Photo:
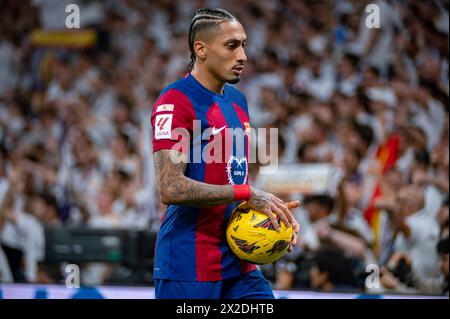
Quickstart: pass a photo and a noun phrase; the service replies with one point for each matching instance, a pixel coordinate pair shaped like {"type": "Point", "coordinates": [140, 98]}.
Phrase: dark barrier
{"type": "Point", "coordinates": [131, 251]}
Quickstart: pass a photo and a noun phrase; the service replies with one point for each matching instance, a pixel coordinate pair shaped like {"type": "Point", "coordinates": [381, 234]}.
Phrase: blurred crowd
{"type": "Point", "coordinates": [75, 140]}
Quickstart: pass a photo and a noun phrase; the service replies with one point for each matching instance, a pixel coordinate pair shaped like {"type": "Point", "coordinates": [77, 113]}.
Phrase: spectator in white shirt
{"type": "Point", "coordinates": [418, 233]}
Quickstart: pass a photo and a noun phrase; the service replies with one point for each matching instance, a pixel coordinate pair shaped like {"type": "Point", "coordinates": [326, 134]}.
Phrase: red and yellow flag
{"type": "Point", "coordinates": [387, 155]}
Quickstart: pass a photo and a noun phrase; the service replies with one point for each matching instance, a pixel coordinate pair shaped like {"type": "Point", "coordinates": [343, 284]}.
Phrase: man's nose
{"type": "Point", "coordinates": [242, 57]}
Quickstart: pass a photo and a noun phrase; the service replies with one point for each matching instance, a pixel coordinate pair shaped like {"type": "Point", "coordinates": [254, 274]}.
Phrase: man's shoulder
{"type": "Point", "coordinates": [178, 85]}
{"type": "Point", "coordinates": [177, 90]}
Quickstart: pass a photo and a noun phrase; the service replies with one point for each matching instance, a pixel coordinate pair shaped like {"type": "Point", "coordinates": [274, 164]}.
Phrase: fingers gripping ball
{"type": "Point", "coordinates": [252, 237]}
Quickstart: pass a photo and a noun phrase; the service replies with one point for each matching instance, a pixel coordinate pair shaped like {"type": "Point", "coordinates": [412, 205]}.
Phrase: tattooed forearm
{"type": "Point", "coordinates": [176, 188]}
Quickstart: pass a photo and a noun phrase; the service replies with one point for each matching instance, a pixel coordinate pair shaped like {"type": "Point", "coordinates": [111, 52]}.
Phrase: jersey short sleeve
{"type": "Point", "coordinates": [172, 116]}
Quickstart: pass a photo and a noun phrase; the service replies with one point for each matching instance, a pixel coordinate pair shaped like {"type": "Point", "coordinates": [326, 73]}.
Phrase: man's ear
{"type": "Point", "coordinates": [200, 50]}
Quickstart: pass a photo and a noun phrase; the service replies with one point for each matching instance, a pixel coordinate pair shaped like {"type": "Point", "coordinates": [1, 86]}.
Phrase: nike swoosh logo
{"type": "Point", "coordinates": [215, 131]}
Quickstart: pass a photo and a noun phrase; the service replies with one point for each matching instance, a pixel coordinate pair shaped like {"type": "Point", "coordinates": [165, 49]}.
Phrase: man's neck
{"type": "Point", "coordinates": [207, 80]}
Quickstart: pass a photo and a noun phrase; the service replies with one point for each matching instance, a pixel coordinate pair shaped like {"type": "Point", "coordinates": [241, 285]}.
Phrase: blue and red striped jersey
{"type": "Point", "coordinates": [191, 243]}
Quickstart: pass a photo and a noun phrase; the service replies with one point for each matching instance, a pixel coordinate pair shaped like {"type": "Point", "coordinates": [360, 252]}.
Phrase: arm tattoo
{"type": "Point", "coordinates": [176, 188]}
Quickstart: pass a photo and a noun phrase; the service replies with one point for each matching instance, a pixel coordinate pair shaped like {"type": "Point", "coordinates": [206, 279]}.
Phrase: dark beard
{"type": "Point", "coordinates": [234, 81]}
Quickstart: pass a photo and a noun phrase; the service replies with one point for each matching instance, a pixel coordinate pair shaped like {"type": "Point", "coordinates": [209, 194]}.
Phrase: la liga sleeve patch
{"type": "Point", "coordinates": [163, 126]}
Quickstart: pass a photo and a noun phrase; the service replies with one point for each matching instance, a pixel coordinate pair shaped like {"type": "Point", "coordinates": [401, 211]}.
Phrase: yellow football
{"type": "Point", "coordinates": [252, 237]}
